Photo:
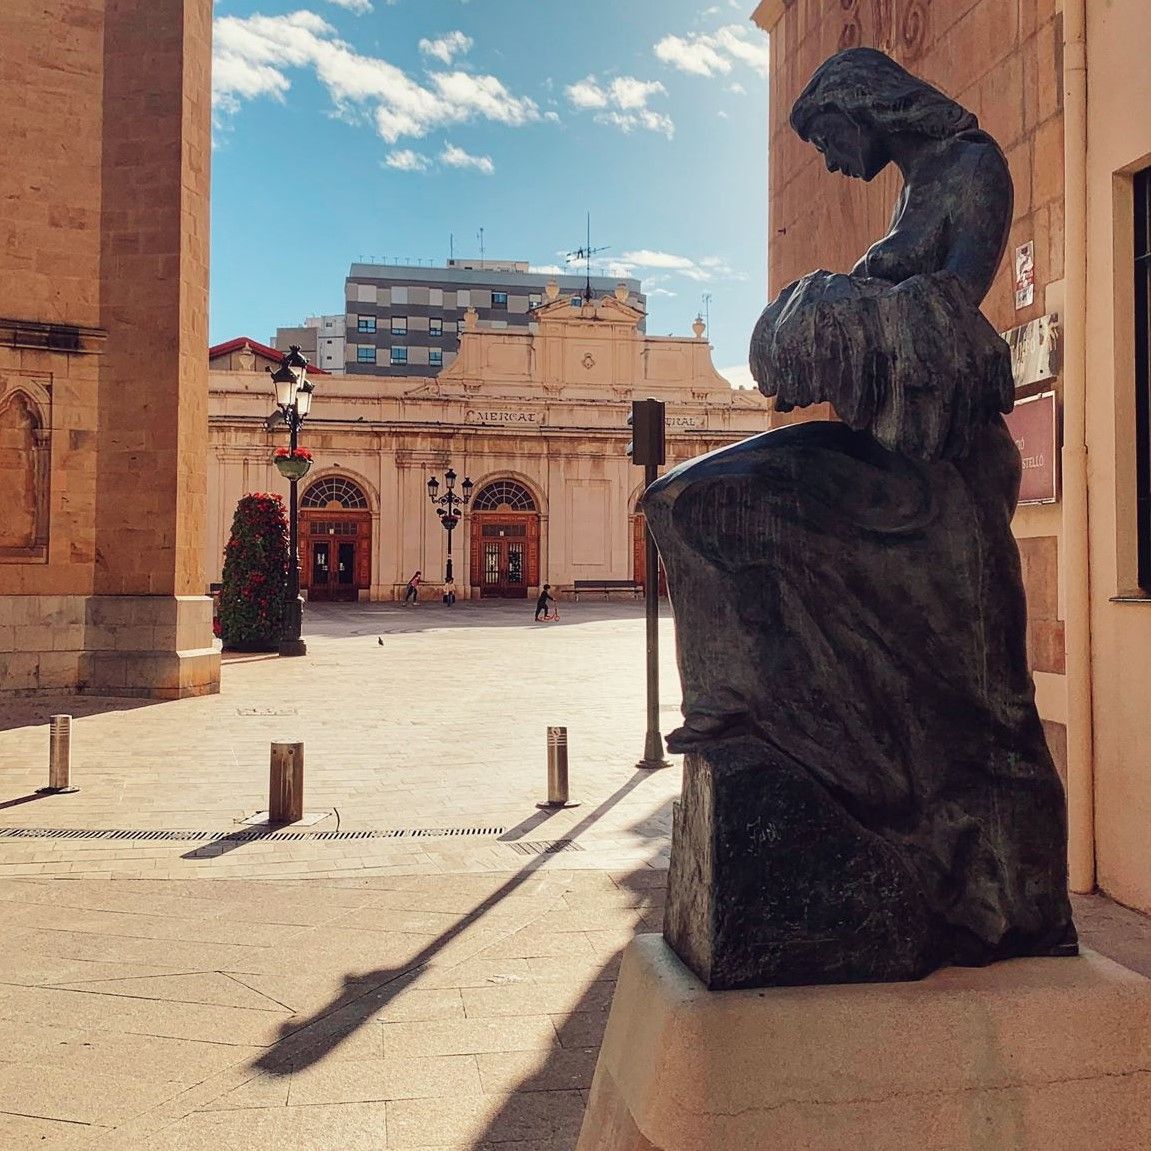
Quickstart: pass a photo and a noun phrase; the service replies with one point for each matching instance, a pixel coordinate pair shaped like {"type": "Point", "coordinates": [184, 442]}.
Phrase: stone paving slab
{"type": "Point", "coordinates": [412, 992]}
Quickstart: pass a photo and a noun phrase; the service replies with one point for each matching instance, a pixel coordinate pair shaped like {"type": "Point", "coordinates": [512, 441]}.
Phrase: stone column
{"type": "Point", "coordinates": [149, 621]}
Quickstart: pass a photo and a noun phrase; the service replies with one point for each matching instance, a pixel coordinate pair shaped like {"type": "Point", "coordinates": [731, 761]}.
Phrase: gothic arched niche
{"type": "Point", "coordinates": [23, 443]}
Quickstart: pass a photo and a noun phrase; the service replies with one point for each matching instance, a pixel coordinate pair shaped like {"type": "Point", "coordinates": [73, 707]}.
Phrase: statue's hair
{"type": "Point", "coordinates": [874, 91]}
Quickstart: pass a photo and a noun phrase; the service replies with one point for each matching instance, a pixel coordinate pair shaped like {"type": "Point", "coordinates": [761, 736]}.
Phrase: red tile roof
{"type": "Point", "coordinates": [240, 342]}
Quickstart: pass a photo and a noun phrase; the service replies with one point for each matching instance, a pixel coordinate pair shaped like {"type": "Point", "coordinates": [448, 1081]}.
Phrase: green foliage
{"type": "Point", "coordinates": [254, 597]}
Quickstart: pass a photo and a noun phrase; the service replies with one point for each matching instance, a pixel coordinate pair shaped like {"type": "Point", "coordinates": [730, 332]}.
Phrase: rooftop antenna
{"type": "Point", "coordinates": [585, 254]}
{"type": "Point", "coordinates": [707, 312]}
{"type": "Point", "coordinates": [481, 247]}
{"type": "Point", "coordinates": [451, 246]}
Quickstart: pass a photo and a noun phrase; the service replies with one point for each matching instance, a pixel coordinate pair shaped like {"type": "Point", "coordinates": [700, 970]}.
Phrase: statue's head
{"type": "Point", "coordinates": [858, 99]}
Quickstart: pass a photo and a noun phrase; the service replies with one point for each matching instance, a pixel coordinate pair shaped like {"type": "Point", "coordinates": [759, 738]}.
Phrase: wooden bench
{"type": "Point", "coordinates": [606, 586]}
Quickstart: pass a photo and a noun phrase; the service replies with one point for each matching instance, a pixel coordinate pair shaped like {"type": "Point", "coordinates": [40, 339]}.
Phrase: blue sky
{"type": "Point", "coordinates": [379, 129]}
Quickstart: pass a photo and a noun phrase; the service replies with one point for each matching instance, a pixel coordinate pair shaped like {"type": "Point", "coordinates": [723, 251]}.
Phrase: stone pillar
{"type": "Point", "coordinates": [149, 622]}
{"type": "Point", "coordinates": [103, 344]}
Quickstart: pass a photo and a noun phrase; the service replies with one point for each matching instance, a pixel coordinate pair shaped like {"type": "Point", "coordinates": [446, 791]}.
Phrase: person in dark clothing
{"type": "Point", "coordinates": [542, 603]}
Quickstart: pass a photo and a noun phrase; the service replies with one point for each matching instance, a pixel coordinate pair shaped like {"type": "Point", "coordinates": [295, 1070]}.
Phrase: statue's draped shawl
{"type": "Point", "coordinates": [916, 363]}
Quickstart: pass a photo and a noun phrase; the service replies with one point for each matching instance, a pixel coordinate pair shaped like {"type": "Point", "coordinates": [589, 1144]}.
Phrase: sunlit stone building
{"type": "Point", "coordinates": [537, 419]}
{"type": "Point", "coordinates": [106, 137]}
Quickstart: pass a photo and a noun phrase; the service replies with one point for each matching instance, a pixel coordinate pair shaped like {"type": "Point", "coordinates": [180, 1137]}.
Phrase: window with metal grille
{"type": "Point", "coordinates": [333, 489]}
{"type": "Point", "coordinates": [504, 494]}
{"type": "Point", "coordinates": [1143, 372]}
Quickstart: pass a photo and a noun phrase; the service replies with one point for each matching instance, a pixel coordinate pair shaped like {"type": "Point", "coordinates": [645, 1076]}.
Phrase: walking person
{"type": "Point", "coordinates": [412, 594]}
{"type": "Point", "coordinates": [542, 603]}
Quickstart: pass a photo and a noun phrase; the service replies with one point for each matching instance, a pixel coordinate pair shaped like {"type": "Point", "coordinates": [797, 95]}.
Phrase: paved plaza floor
{"type": "Point", "coordinates": [427, 964]}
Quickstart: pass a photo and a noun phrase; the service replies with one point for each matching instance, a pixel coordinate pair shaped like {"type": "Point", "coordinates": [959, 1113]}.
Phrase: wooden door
{"type": "Point", "coordinates": [336, 555]}
{"type": "Point", "coordinates": [505, 554]}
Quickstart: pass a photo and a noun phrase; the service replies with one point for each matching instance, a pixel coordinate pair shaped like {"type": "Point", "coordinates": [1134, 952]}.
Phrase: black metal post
{"type": "Point", "coordinates": [653, 743]}
{"type": "Point", "coordinates": [290, 641]}
{"type": "Point", "coordinates": [450, 509]}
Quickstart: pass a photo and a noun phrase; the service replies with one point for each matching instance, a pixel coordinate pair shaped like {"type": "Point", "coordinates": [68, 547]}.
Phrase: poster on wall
{"type": "Point", "coordinates": [1025, 275]}
{"type": "Point", "coordinates": [1033, 427]}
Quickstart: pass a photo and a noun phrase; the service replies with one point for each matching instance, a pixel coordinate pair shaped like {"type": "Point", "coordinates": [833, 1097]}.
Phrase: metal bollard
{"type": "Point", "coordinates": [59, 757]}
{"type": "Point", "coordinates": [557, 769]}
{"type": "Point", "coordinates": [286, 783]}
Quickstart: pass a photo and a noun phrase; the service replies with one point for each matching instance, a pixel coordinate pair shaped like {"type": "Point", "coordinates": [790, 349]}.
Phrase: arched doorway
{"type": "Point", "coordinates": [335, 540]}
{"type": "Point", "coordinates": [505, 540]}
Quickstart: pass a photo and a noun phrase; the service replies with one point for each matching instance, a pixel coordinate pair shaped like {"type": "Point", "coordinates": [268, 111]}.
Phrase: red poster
{"type": "Point", "coordinates": [1033, 427]}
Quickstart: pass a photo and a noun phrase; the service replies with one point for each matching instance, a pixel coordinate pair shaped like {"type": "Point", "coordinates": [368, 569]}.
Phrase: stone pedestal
{"type": "Point", "coordinates": [1026, 1055]}
{"type": "Point", "coordinates": [158, 647]}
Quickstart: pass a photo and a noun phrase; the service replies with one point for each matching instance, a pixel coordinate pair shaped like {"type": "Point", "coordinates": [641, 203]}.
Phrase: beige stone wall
{"type": "Point", "coordinates": [51, 68]}
{"type": "Point", "coordinates": [1003, 61]}
{"type": "Point", "coordinates": [1118, 34]}
{"type": "Point", "coordinates": [103, 322]}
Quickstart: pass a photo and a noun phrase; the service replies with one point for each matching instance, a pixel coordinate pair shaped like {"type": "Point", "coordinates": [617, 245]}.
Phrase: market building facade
{"type": "Point", "coordinates": [536, 419]}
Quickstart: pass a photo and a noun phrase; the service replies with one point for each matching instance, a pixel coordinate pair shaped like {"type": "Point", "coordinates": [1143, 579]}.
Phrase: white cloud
{"type": "Point", "coordinates": [405, 160]}
{"type": "Point", "coordinates": [704, 269]}
{"type": "Point", "coordinates": [548, 270]}
{"type": "Point", "coordinates": [622, 103]}
{"type": "Point", "coordinates": [587, 94]}
{"type": "Point", "coordinates": [359, 7]}
{"type": "Point", "coordinates": [252, 57]}
{"type": "Point", "coordinates": [739, 376]}
{"type": "Point", "coordinates": [714, 54]}
{"type": "Point", "coordinates": [457, 158]}
{"type": "Point", "coordinates": [661, 292]}
{"type": "Point", "coordinates": [446, 48]}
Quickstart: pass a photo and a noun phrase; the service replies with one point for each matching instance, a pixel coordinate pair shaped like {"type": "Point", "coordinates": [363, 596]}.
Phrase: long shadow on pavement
{"type": "Point", "coordinates": [306, 1042]}
{"type": "Point", "coordinates": [38, 710]}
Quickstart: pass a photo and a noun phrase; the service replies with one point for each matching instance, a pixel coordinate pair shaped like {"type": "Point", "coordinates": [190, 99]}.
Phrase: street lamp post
{"type": "Point", "coordinates": [294, 399]}
{"type": "Point", "coordinates": [450, 508]}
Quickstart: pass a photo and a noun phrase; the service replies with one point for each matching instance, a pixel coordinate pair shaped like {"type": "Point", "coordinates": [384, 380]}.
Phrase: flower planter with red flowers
{"type": "Point", "coordinates": [254, 592]}
{"type": "Point", "coordinates": [292, 465]}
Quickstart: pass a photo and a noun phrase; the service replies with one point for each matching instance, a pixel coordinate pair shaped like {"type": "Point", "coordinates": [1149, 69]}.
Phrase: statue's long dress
{"type": "Point", "coordinates": [856, 600]}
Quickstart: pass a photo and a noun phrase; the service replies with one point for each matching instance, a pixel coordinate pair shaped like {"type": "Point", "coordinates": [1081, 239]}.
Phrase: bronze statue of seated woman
{"type": "Point", "coordinates": [868, 793]}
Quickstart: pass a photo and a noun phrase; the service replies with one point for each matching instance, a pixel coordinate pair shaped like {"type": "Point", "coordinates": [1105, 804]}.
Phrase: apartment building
{"type": "Point", "coordinates": [320, 338]}
{"type": "Point", "coordinates": [406, 321]}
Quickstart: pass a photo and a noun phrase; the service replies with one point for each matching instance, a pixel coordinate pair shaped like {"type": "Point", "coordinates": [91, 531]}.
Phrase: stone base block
{"type": "Point", "coordinates": [152, 646]}
{"type": "Point", "coordinates": [1026, 1055]}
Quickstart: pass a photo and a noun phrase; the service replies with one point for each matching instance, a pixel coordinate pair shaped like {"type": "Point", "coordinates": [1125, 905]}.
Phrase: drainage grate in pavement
{"type": "Point", "coordinates": [143, 834]}
{"type": "Point", "coordinates": [545, 846]}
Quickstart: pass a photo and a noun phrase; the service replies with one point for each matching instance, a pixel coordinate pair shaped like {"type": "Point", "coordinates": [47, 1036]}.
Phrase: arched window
{"type": "Point", "coordinates": [504, 495]}
{"type": "Point", "coordinates": [333, 490]}
{"type": "Point", "coordinates": [24, 443]}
